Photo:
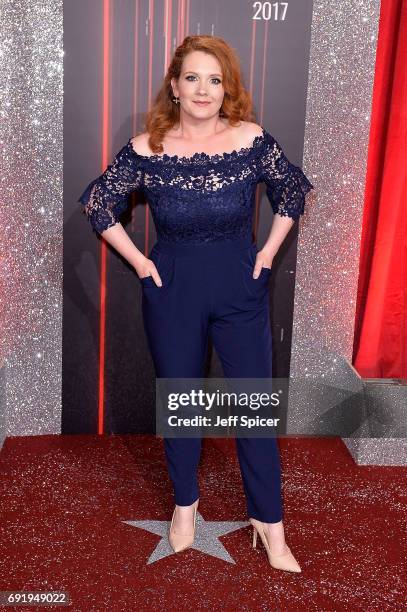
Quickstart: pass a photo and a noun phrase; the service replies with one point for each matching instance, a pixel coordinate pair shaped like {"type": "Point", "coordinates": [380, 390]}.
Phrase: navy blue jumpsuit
{"type": "Point", "coordinates": [202, 207]}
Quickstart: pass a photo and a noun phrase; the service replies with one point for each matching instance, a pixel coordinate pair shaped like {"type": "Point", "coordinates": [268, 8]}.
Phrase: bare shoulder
{"type": "Point", "coordinates": [140, 144]}
{"type": "Point", "coordinates": [248, 132]}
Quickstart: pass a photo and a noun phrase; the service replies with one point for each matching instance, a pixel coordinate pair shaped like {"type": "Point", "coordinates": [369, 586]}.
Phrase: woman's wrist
{"type": "Point", "coordinates": [270, 249]}
{"type": "Point", "coordinates": [137, 259]}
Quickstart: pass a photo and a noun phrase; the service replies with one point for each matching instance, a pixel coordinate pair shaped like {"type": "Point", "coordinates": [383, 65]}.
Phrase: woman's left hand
{"type": "Point", "coordinates": [264, 259]}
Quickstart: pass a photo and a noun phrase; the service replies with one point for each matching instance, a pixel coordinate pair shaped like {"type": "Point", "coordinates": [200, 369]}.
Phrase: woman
{"type": "Point", "coordinates": [198, 164]}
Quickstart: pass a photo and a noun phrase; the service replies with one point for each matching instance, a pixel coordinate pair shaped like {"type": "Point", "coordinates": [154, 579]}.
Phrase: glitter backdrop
{"type": "Point", "coordinates": [341, 74]}
{"type": "Point", "coordinates": [31, 98]}
{"type": "Point", "coordinates": [343, 48]}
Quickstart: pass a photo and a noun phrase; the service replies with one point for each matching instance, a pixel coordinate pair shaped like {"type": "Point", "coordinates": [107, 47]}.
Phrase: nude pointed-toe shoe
{"type": "Point", "coordinates": [285, 561]}
{"type": "Point", "coordinates": [178, 541]}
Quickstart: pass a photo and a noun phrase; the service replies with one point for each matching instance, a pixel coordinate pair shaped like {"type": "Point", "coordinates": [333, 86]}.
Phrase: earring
{"type": "Point", "coordinates": [176, 100]}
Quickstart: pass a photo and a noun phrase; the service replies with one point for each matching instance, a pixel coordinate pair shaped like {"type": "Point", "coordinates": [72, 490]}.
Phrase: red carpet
{"type": "Point", "coordinates": [64, 500]}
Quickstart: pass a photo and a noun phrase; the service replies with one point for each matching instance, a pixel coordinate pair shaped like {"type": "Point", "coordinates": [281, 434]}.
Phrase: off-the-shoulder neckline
{"type": "Point", "coordinates": [201, 156]}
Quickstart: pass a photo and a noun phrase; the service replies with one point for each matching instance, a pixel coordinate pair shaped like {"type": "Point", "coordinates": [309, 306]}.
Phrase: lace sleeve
{"type": "Point", "coordinates": [106, 197]}
{"type": "Point", "coordinates": [286, 184]}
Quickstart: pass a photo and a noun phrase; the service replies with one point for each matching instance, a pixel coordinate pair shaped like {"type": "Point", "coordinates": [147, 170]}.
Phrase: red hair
{"type": "Point", "coordinates": [237, 103]}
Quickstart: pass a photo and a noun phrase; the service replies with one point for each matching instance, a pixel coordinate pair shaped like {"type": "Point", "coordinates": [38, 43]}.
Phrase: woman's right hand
{"type": "Point", "coordinates": [146, 267]}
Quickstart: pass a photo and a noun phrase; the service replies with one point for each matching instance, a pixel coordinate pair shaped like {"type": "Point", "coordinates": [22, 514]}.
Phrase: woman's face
{"type": "Point", "coordinates": [200, 81]}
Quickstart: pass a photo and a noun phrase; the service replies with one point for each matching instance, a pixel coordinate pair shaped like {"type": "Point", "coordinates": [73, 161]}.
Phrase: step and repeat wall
{"type": "Point", "coordinates": [116, 55]}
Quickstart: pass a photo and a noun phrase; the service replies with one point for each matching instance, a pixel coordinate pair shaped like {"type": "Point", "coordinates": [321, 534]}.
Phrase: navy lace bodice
{"type": "Point", "coordinates": [201, 198]}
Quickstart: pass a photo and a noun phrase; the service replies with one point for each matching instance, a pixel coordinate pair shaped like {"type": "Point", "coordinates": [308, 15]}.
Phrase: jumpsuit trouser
{"type": "Point", "coordinates": [208, 291]}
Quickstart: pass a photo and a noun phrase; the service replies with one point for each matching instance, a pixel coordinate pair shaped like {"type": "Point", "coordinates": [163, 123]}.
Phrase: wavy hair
{"type": "Point", "coordinates": [236, 105]}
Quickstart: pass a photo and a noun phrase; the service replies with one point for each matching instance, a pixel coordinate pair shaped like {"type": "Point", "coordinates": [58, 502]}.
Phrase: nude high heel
{"type": "Point", "coordinates": [285, 561]}
{"type": "Point", "coordinates": [180, 542]}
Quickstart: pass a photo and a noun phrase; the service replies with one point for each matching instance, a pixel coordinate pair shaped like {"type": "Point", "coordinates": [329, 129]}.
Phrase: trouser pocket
{"type": "Point", "coordinates": [165, 265]}
{"type": "Point", "coordinates": [254, 286]}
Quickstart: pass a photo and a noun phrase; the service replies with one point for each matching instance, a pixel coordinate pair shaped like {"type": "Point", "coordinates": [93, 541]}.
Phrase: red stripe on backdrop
{"type": "Point", "coordinates": [135, 95]}
{"type": "Point", "coordinates": [168, 31]}
{"type": "Point", "coordinates": [261, 118]}
{"type": "Point", "coordinates": [178, 23]}
{"type": "Point", "coordinates": [103, 246]}
{"type": "Point", "coordinates": [263, 74]}
{"type": "Point", "coordinates": [182, 20]}
{"type": "Point", "coordinates": [187, 18]}
{"type": "Point", "coordinates": [150, 51]}
{"type": "Point", "coordinates": [165, 34]}
{"type": "Point", "coordinates": [380, 346]}
{"type": "Point", "coordinates": [252, 57]}
{"type": "Point", "coordinates": [135, 55]}
{"type": "Point", "coordinates": [251, 80]}
{"type": "Point", "coordinates": [149, 102]}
